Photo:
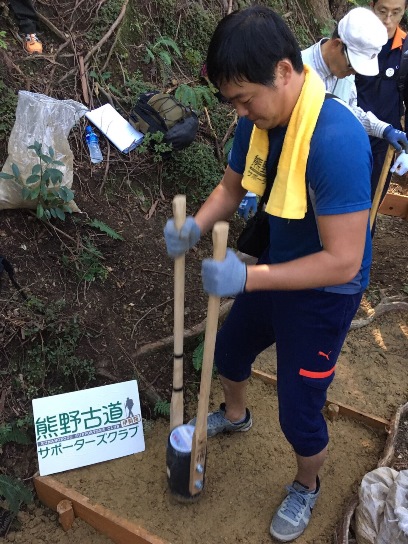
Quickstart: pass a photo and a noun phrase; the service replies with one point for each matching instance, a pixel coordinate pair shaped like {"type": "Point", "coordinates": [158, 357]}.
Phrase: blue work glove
{"type": "Point", "coordinates": [224, 278]}
{"type": "Point", "coordinates": [178, 242]}
{"type": "Point", "coordinates": [400, 166]}
{"type": "Point", "coordinates": [396, 138]}
{"type": "Point", "coordinates": [248, 204]}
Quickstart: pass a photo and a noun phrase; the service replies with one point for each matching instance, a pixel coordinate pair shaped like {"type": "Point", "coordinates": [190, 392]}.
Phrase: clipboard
{"type": "Point", "coordinates": [115, 127]}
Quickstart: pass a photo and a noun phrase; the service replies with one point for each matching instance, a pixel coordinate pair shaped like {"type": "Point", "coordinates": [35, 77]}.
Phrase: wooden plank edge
{"type": "Point", "coordinates": [345, 410]}
{"type": "Point", "coordinates": [395, 205]}
{"type": "Point", "coordinates": [119, 530]}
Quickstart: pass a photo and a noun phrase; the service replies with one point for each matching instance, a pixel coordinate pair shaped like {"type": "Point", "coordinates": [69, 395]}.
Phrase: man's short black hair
{"type": "Point", "coordinates": [247, 45]}
{"type": "Point", "coordinates": [406, 2]}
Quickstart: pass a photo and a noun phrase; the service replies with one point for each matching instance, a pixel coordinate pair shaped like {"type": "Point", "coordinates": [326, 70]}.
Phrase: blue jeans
{"type": "Point", "coordinates": [309, 328]}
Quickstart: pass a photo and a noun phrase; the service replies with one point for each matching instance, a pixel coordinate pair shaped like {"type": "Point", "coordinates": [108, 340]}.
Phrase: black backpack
{"type": "Point", "coordinates": [160, 112]}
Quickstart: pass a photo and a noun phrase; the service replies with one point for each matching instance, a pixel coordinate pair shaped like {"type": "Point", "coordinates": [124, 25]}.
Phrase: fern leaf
{"type": "Point", "coordinates": [162, 407]}
{"type": "Point", "coordinates": [105, 228]}
{"type": "Point", "coordinates": [12, 434]}
{"type": "Point", "coordinates": [14, 492]}
{"type": "Point", "coordinates": [169, 43]}
{"type": "Point", "coordinates": [165, 57]}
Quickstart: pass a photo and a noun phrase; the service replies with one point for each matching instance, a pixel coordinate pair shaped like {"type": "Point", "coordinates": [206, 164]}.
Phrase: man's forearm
{"type": "Point", "coordinates": [313, 271]}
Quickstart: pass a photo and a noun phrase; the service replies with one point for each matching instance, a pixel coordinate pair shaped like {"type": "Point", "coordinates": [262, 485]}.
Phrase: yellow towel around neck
{"type": "Point", "coordinates": [288, 194]}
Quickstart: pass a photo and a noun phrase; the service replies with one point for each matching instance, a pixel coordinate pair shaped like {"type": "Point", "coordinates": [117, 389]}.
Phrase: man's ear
{"type": "Point", "coordinates": [284, 70]}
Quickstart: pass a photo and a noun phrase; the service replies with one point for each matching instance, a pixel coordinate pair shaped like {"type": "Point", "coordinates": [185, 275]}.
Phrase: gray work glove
{"type": "Point", "coordinates": [180, 241]}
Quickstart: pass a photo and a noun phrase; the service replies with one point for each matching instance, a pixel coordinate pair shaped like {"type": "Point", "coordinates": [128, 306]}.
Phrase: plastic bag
{"type": "Point", "coordinates": [45, 120]}
{"type": "Point", "coordinates": [382, 514]}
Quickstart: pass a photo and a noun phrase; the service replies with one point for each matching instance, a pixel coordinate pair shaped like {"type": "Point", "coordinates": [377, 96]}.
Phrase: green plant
{"type": "Point", "coordinates": [161, 50]}
{"type": "Point", "coordinates": [197, 97]}
{"type": "Point", "coordinates": [195, 26]}
{"type": "Point", "coordinates": [198, 355]}
{"type": "Point", "coordinates": [48, 363]}
{"type": "Point", "coordinates": [3, 44]}
{"type": "Point", "coordinates": [103, 227]}
{"type": "Point", "coordinates": [162, 408]}
{"type": "Point", "coordinates": [11, 432]}
{"type": "Point", "coordinates": [193, 56]}
{"type": "Point", "coordinates": [161, 53]}
{"type": "Point", "coordinates": [153, 143]}
{"type": "Point", "coordinates": [87, 262]}
{"type": "Point", "coordinates": [135, 85]}
{"type": "Point", "coordinates": [15, 493]}
{"type": "Point", "coordinates": [328, 28]}
{"type": "Point", "coordinates": [44, 185]}
{"type": "Point", "coordinates": [106, 16]}
{"type": "Point", "coordinates": [194, 171]}
{"type": "Point", "coordinates": [102, 80]}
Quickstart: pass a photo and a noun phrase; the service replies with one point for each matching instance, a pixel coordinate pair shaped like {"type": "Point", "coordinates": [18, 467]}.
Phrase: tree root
{"type": "Point", "coordinates": [386, 304]}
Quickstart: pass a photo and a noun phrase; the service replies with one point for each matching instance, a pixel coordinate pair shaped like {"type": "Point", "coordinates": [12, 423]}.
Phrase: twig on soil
{"type": "Point", "coordinates": [147, 313]}
{"type": "Point", "coordinates": [214, 135]}
{"type": "Point", "coordinates": [12, 66]}
{"type": "Point", "coordinates": [3, 400]}
{"type": "Point", "coordinates": [150, 271]}
{"type": "Point", "coordinates": [105, 175]}
{"type": "Point", "coordinates": [101, 41]}
{"type": "Point", "coordinates": [51, 27]}
{"type": "Point", "coordinates": [229, 131]}
{"type": "Point", "coordinates": [111, 50]}
{"type": "Point", "coordinates": [84, 79]}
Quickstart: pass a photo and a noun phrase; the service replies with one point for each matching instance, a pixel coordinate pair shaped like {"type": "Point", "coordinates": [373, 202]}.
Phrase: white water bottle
{"type": "Point", "coordinates": [93, 145]}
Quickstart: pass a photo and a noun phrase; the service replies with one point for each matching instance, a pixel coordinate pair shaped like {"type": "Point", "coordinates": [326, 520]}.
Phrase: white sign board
{"type": "Point", "coordinates": [85, 427]}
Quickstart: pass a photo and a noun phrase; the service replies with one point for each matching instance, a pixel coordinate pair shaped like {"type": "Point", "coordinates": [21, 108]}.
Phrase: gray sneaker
{"type": "Point", "coordinates": [218, 423]}
{"type": "Point", "coordinates": [293, 515]}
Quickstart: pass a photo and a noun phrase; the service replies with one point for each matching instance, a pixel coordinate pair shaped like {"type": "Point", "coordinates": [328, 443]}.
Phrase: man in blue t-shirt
{"type": "Point", "coordinates": [304, 291]}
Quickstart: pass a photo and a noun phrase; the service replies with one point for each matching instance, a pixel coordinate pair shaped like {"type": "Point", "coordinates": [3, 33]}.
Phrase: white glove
{"type": "Point", "coordinates": [400, 166]}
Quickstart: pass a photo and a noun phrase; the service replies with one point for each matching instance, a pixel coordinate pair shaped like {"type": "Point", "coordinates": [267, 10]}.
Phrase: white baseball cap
{"type": "Point", "coordinates": [363, 34]}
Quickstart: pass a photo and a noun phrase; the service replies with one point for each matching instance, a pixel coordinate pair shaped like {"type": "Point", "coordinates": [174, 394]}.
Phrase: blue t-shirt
{"type": "Point", "coordinates": [338, 175]}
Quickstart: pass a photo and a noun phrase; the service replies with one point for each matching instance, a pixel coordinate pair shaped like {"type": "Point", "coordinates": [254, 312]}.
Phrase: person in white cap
{"type": "Point", "coordinates": [353, 49]}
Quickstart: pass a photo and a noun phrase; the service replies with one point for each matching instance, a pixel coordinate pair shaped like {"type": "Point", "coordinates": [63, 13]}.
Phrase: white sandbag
{"type": "Point", "coordinates": [45, 120]}
{"type": "Point", "coordinates": [394, 526]}
{"type": "Point", "coordinates": [382, 515]}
